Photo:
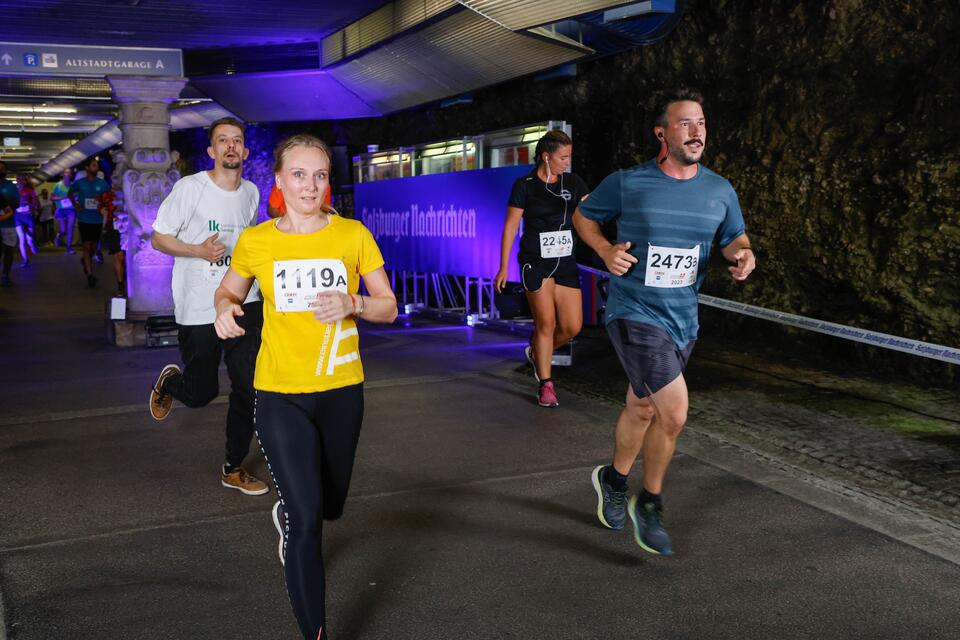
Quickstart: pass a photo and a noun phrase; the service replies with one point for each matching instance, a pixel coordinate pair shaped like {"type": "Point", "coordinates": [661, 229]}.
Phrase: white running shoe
{"type": "Point", "coordinates": [276, 523]}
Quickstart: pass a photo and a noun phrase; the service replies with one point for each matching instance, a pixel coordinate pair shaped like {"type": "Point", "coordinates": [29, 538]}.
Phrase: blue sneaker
{"type": "Point", "coordinates": [611, 509]}
{"type": "Point", "coordinates": [648, 528]}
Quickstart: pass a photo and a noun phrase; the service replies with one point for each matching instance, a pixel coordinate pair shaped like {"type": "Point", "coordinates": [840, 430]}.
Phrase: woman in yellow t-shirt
{"type": "Point", "coordinates": [309, 378]}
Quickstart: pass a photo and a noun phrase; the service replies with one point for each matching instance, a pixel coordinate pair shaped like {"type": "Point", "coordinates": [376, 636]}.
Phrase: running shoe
{"type": "Point", "coordinates": [648, 528]}
{"type": "Point", "coordinates": [611, 505]}
{"type": "Point", "coordinates": [528, 352]}
{"type": "Point", "coordinates": [160, 402]}
{"type": "Point", "coordinates": [243, 482]}
{"type": "Point", "coordinates": [276, 523]}
{"type": "Point", "coordinates": [547, 395]}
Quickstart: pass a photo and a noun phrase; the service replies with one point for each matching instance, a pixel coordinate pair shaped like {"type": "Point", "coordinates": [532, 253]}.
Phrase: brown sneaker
{"type": "Point", "coordinates": [160, 402]}
{"type": "Point", "coordinates": [242, 481]}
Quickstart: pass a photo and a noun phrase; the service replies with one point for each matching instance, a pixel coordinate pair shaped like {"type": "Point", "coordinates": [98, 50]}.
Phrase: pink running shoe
{"type": "Point", "coordinates": [547, 396]}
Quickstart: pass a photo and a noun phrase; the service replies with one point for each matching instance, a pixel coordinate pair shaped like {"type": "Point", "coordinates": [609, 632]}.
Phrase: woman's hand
{"type": "Point", "coordinates": [500, 281]}
{"type": "Point", "coordinates": [332, 306]}
{"type": "Point", "coordinates": [225, 325]}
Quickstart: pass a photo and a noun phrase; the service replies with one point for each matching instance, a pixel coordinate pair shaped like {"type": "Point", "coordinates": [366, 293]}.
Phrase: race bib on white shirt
{"type": "Point", "coordinates": [297, 283]}
{"type": "Point", "coordinates": [90, 204]}
{"type": "Point", "coordinates": [671, 268]}
{"type": "Point", "coordinates": [214, 271]}
{"type": "Point", "coordinates": [556, 244]}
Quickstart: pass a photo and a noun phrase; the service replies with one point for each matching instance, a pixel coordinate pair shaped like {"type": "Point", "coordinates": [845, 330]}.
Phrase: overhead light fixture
{"type": "Point", "coordinates": [61, 118]}
{"type": "Point", "coordinates": [20, 123]}
{"type": "Point", "coordinates": [27, 108]}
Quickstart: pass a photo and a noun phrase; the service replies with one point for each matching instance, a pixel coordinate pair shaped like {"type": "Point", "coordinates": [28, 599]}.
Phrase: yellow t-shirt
{"type": "Point", "coordinates": [299, 354]}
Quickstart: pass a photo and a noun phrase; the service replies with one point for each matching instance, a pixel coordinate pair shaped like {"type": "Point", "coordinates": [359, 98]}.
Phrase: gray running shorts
{"type": "Point", "coordinates": [648, 355]}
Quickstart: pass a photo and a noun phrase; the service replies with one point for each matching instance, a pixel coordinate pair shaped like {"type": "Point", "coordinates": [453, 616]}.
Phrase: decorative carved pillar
{"type": "Point", "coordinates": [145, 175]}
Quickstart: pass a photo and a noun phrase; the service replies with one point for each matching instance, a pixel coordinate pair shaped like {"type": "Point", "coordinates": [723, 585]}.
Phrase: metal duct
{"type": "Point", "coordinates": [189, 117]}
{"type": "Point", "coordinates": [524, 14]}
{"type": "Point", "coordinates": [382, 24]}
{"type": "Point", "coordinates": [461, 52]}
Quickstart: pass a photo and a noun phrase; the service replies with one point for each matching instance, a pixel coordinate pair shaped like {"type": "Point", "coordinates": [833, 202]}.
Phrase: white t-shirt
{"type": "Point", "coordinates": [46, 209]}
{"type": "Point", "coordinates": [196, 209]}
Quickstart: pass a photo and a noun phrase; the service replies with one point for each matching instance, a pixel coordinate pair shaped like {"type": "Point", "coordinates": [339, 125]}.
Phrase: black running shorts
{"type": "Point", "coordinates": [563, 271]}
{"type": "Point", "coordinates": [90, 232]}
{"type": "Point", "coordinates": [111, 240]}
{"type": "Point", "coordinates": [648, 355]}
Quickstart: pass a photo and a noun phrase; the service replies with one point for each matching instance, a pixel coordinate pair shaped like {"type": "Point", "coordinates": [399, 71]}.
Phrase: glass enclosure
{"type": "Point", "coordinates": [501, 148]}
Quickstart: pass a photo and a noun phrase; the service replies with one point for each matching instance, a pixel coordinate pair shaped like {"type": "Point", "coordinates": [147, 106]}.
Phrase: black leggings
{"type": "Point", "coordinates": [199, 383]}
{"type": "Point", "coordinates": [309, 441]}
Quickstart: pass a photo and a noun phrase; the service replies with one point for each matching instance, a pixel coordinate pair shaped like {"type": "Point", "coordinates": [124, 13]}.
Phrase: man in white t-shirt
{"type": "Point", "coordinates": [199, 224]}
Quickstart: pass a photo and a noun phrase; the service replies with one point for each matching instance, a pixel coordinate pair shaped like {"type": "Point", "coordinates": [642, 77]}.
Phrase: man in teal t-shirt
{"type": "Point", "coordinates": [86, 193]}
{"type": "Point", "coordinates": [669, 212]}
{"type": "Point", "coordinates": [8, 224]}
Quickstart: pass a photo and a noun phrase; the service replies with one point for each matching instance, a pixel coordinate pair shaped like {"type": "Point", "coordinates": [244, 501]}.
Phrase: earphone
{"type": "Point", "coordinates": [558, 195]}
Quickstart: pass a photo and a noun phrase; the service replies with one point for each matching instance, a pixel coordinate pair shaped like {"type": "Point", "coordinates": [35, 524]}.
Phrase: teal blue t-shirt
{"type": "Point", "coordinates": [61, 190]}
{"type": "Point", "coordinates": [87, 193]}
{"type": "Point", "coordinates": [653, 209]}
{"type": "Point", "coordinates": [12, 195]}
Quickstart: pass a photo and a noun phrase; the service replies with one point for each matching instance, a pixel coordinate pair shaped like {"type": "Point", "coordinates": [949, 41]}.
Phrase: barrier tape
{"type": "Point", "coordinates": [865, 336]}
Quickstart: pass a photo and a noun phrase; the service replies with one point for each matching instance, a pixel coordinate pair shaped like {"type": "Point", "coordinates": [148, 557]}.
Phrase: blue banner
{"type": "Point", "coordinates": [444, 223]}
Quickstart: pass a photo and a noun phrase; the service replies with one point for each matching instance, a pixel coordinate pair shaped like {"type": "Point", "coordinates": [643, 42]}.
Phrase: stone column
{"type": "Point", "coordinates": [144, 174]}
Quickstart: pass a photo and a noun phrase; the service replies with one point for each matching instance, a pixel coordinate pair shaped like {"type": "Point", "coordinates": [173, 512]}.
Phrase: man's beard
{"type": "Point", "coordinates": [232, 164]}
{"type": "Point", "coordinates": [682, 155]}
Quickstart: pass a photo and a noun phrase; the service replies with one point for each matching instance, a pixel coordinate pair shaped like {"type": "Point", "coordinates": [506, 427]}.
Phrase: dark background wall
{"type": "Point", "coordinates": [834, 122]}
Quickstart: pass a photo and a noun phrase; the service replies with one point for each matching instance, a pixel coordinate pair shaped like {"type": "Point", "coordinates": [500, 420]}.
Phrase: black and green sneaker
{"type": "Point", "coordinates": [648, 531]}
{"type": "Point", "coordinates": [611, 505]}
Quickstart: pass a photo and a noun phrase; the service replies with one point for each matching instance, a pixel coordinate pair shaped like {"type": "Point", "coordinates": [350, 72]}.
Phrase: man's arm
{"type": "Point", "coordinates": [614, 256]}
{"type": "Point", "coordinates": [6, 212]}
{"type": "Point", "coordinates": [740, 252]}
{"type": "Point", "coordinates": [209, 250]}
{"type": "Point", "coordinates": [73, 197]}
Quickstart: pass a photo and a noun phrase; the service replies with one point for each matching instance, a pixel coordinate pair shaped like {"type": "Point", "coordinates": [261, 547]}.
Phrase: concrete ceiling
{"type": "Point", "coordinates": [178, 24]}
{"type": "Point", "coordinates": [284, 60]}
{"type": "Point", "coordinates": [28, 106]}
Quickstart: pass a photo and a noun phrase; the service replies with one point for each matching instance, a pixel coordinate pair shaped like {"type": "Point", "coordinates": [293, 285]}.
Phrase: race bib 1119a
{"type": "Point", "coordinates": [297, 283]}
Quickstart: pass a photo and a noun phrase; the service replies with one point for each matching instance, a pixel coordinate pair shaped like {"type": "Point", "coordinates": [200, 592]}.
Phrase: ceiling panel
{"type": "Point", "coordinates": [178, 24]}
{"type": "Point", "coordinates": [290, 96]}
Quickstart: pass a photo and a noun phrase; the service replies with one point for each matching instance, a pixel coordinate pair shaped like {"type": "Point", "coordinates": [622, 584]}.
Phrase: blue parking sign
{"type": "Point", "coordinates": [31, 60]}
